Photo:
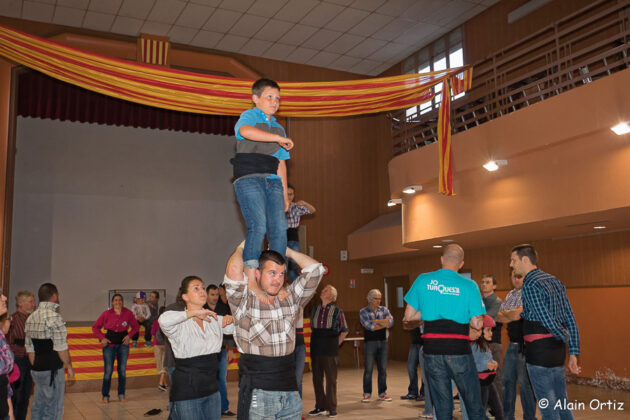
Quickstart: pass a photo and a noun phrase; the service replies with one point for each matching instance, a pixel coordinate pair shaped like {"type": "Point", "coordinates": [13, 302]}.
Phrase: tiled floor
{"type": "Point", "coordinates": [88, 406]}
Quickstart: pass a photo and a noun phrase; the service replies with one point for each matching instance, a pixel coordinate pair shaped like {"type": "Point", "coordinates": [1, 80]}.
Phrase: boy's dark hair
{"type": "Point", "coordinates": [211, 287]}
{"type": "Point", "coordinates": [490, 276]}
{"type": "Point", "coordinates": [261, 84]}
{"type": "Point", "coordinates": [46, 292]}
{"type": "Point", "coordinates": [526, 250]}
{"type": "Point", "coordinates": [270, 255]}
{"type": "Point", "coordinates": [156, 293]}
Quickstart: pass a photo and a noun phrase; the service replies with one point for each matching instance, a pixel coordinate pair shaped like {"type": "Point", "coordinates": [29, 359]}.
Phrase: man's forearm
{"type": "Point", "coordinates": [342, 336]}
{"type": "Point", "coordinates": [302, 260]}
{"type": "Point", "coordinates": [64, 355]}
{"type": "Point", "coordinates": [234, 268]}
{"type": "Point", "coordinates": [31, 358]}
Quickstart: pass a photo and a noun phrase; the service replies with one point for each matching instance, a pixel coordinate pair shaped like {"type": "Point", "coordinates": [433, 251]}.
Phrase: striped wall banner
{"type": "Point", "coordinates": [86, 353]}
{"type": "Point", "coordinates": [153, 50]}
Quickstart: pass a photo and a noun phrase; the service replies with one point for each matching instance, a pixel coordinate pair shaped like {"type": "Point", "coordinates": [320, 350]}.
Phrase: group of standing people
{"type": "Point", "coordinates": [540, 324]}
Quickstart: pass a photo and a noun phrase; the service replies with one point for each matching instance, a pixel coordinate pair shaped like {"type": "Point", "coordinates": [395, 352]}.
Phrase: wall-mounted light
{"type": "Point", "coordinates": [412, 189]}
{"type": "Point", "coordinates": [599, 227]}
{"type": "Point", "coordinates": [621, 128]}
{"type": "Point", "coordinates": [394, 201]}
{"type": "Point", "coordinates": [493, 165]}
{"type": "Point", "coordinates": [437, 246]}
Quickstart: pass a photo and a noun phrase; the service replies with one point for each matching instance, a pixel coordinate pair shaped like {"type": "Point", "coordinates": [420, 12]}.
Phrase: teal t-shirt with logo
{"type": "Point", "coordinates": [444, 294]}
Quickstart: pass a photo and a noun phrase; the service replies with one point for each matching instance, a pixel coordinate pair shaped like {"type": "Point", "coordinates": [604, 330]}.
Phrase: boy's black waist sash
{"type": "Point", "coordinates": [444, 336]}
{"type": "Point", "coordinates": [253, 163]}
{"type": "Point", "coordinates": [263, 372]}
{"type": "Point", "coordinates": [541, 347]}
{"type": "Point", "coordinates": [195, 377]}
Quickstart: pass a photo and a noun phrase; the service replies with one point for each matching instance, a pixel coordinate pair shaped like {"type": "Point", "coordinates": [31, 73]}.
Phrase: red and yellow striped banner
{"type": "Point", "coordinates": [86, 354]}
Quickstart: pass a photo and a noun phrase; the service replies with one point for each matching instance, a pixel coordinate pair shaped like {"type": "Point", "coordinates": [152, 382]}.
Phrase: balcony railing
{"type": "Point", "coordinates": [581, 48]}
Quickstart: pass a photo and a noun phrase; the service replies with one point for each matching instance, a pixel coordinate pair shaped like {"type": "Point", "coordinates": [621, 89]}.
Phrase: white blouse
{"type": "Point", "coordinates": [188, 339]}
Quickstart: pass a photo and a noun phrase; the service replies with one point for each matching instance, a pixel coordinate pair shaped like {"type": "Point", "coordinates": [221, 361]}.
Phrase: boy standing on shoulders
{"type": "Point", "coordinates": [260, 176]}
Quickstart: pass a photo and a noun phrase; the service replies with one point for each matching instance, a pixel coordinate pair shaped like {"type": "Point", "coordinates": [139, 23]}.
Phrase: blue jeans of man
{"type": "Point", "coordinates": [375, 351]}
{"type": "Point", "coordinates": [262, 206]}
{"type": "Point", "coordinates": [550, 384]}
{"type": "Point", "coordinates": [413, 360]}
{"type": "Point", "coordinates": [300, 358]}
{"type": "Point", "coordinates": [441, 369]}
{"type": "Point", "coordinates": [207, 408]}
{"type": "Point", "coordinates": [222, 379]}
{"type": "Point", "coordinates": [279, 405]}
{"type": "Point", "coordinates": [48, 399]}
{"type": "Point", "coordinates": [515, 370]}
{"type": "Point", "coordinates": [22, 388]}
{"type": "Point", "coordinates": [120, 352]}
{"type": "Point", "coordinates": [294, 269]}
{"type": "Point", "coordinates": [428, 402]}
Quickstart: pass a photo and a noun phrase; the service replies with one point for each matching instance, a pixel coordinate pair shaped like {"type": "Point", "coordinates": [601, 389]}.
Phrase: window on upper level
{"type": "Point", "coordinates": [446, 52]}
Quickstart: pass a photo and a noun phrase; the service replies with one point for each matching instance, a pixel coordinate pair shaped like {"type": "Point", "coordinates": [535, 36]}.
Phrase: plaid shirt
{"type": "Point", "coordinates": [545, 301]}
{"type": "Point", "coordinates": [513, 300]}
{"type": "Point", "coordinates": [368, 316]}
{"type": "Point", "coordinates": [269, 330]}
{"type": "Point", "coordinates": [294, 214]}
{"type": "Point", "coordinates": [46, 323]}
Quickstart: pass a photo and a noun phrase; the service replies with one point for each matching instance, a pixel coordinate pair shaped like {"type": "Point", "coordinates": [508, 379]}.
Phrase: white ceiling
{"type": "Point", "coordinates": [360, 36]}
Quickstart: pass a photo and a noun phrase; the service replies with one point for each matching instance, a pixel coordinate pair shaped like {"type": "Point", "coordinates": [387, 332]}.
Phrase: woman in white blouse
{"type": "Point", "coordinates": [195, 335]}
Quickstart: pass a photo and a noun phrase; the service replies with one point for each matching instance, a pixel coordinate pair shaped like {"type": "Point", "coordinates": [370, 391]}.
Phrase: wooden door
{"type": "Point", "coordinates": [399, 339]}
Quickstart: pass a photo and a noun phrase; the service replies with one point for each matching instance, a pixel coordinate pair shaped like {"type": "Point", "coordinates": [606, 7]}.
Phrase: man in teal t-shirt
{"type": "Point", "coordinates": [448, 303]}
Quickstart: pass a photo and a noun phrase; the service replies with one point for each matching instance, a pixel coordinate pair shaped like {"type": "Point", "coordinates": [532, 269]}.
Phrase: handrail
{"type": "Point", "coordinates": [584, 46]}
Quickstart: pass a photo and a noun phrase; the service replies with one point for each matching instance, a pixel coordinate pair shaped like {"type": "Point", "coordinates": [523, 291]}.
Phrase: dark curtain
{"type": "Point", "coordinates": [41, 96]}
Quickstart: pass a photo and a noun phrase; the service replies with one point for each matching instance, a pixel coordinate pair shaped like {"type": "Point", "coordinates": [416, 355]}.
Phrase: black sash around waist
{"type": "Point", "coordinates": [293, 234]}
{"type": "Point", "coordinates": [444, 336]}
{"type": "Point", "coordinates": [4, 394]}
{"type": "Point", "coordinates": [46, 358]}
{"type": "Point", "coordinates": [377, 335]}
{"type": "Point", "coordinates": [18, 342]}
{"type": "Point", "coordinates": [253, 163]}
{"type": "Point", "coordinates": [546, 352]}
{"type": "Point", "coordinates": [496, 333]}
{"type": "Point", "coordinates": [263, 372]}
{"type": "Point", "coordinates": [299, 337]}
{"type": "Point", "coordinates": [515, 331]}
{"type": "Point", "coordinates": [115, 337]}
{"type": "Point", "coordinates": [324, 342]}
{"type": "Point", "coordinates": [195, 377]}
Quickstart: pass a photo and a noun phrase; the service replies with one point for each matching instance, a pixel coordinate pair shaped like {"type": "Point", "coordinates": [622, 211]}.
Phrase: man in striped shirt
{"type": "Point", "coordinates": [47, 348]}
{"type": "Point", "coordinates": [25, 302]}
{"type": "Point", "coordinates": [548, 326]}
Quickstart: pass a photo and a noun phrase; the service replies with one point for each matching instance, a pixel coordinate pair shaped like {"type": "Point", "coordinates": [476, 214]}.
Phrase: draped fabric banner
{"type": "Point", "coordinates": [205, 94]}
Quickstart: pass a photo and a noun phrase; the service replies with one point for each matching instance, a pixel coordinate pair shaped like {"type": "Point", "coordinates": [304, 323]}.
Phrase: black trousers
{"type": "Point", "coordinates": [325, 367]}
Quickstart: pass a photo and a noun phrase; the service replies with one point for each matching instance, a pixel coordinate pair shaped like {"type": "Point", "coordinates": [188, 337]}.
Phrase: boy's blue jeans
{"type": "Point", "coordinates": [262, 206]}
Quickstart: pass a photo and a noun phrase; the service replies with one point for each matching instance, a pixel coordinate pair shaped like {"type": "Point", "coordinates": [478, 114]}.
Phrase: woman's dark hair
{"type": "Point", "coordinates": [117, 295]}
{"type": "Point", "coordinates": [483, 344]}
{"type": "Point", "coordinates": [161, 310]}
{"type": "Point", "coordinates": [183, 289]}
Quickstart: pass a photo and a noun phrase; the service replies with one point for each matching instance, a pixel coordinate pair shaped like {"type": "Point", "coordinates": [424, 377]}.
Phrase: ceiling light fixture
{"type": "Point", "coordinates": [437, 246]}
{"type": "Point", "coordinates": [412, 189]}
{"type": "Point", "coordinates": [621, 128]}
{"type": "Point", "coordinates": [598, 227]}
{"type": "Point", "coordinates": [394, 201]}
{"type": "Point", "coordinates": [493, 165]}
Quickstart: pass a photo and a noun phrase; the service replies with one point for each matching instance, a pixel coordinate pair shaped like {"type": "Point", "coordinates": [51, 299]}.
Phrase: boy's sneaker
{"type": "Point", "coordinates": [366, 398]}
{"type": "Point", "coordinates": [317, 412]}
{"type": "Point", "coordinates": [426, 415]}
{"type": "Point", "coordinates": [134, 344]}
{"type": "Point", "coordinates": [384, 397]}
{"type": "Point", "coordinates": [147, 344]}
{"type": "Point", "coordinates": [162, 387]}
{"type": "Point", "coordinates": [332, 414]}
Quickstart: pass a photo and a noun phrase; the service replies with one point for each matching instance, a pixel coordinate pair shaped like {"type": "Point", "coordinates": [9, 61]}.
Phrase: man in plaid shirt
{"type": "Point", "coordinates": [47, 348]}
{"type": "Point", "coordinates": [265, 333]}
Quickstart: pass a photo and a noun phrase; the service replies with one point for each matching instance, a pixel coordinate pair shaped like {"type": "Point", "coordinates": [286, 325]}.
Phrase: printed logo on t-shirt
{"type": "Point", "coordinates": [443, 290]}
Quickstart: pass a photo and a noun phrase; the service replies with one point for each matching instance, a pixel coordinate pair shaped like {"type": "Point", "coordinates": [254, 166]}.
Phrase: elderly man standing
{"type": "Point", "coordinates": [448, 303]}
{"type": "Point", "coordinates": [47, 348]}
{"type": "Point", "coordinates": [265, 332]}
{"type": "Point", "coordinates": [25, 302]}
{"type": "Point", "coordinates": [376, 319]}
{"type": "Point", "coordinates": [329, 328]}
{"type": "Point", "coordinates": [548, 327]}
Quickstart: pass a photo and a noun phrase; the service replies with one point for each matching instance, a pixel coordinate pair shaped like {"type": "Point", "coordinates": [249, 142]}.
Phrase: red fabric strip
{"type": "Point", "coordinates": [534, 337]}
{"type": "Point", "coordinates": [455, 336]}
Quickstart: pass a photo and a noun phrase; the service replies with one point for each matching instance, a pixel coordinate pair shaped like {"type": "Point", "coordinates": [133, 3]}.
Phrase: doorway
{"type": "Point", "coordinates": [399, 339]}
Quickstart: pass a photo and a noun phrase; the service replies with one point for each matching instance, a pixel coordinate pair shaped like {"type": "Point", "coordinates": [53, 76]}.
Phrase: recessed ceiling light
{"type": "Point", "coordinates": [493, 165]}
{"type": "Point", "coordinates": [412, 189]}
{"type": "Point", "coordinates": [599, 227]}
{"type": "Point", "coordinates": [437, 246]}
{"type": "Point", "coordinates": [621, 128]}
{"type": "Point", "coordinates": [447, 240]}
{"type": "Point", "coordinates": [394, 201]}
